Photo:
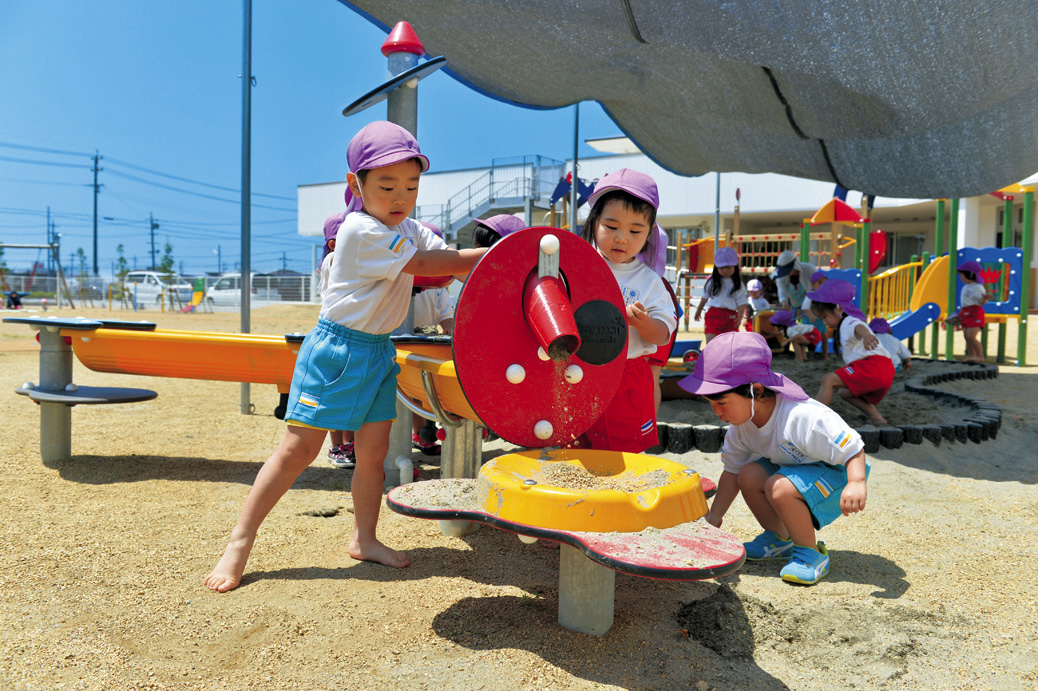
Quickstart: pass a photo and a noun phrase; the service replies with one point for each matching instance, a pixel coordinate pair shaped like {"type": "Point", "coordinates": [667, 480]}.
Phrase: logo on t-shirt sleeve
{"type": "Point", "coordinates": [397, 244]}
{"type": "Point", "coordinates": [842, 439]}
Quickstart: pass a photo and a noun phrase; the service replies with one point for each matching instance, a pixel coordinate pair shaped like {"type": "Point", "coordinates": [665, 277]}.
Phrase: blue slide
{"type": "Point", "coordinates": [911, 323]}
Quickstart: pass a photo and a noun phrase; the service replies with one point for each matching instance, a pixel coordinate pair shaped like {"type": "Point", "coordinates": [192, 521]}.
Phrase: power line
{"type": "Point", "coordinates": [196, 194]}
{"type": "Point", "coordinates": [25, 147]}
{"type": "Point", "coordinates": [193, 182]}
{"type": "Point", "coordinates": [30, 161]}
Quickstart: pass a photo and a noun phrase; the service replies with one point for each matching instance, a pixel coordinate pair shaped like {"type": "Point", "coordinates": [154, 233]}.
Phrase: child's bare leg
{"type": "Point", "coordinates": [707, 338]}
{"type": "Point", "coordinates": [791, 509]}
{"type": "Point", "coordinates": [335, 437]}
{"type": "Point", "coordinates": [752, 480]}
{"type": "Point", "coordinates": [871, 412]}
{"type": "Point", "coordinates": [298, 448]}
{"type": "Point", "coordinates": [830, 383]}
{"type": "Point", "coordinates": [974, 352]}
{"type": "Point", "coordinates": [798, 348]}
{"type": "Point", "coordinates": [656, 369]}
{"type": "Point", "coordinates": [372, 445]}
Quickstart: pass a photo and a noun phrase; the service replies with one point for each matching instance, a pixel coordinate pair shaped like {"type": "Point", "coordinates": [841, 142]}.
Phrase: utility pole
{"type": "Point", "coordinates": [97, 188]}
{"type": "Point", "coordinates": [50, 231]}
{"type": "Point", "coordinates": [154, 226]}
{"type": "Point", "coordinates": [246, 186]}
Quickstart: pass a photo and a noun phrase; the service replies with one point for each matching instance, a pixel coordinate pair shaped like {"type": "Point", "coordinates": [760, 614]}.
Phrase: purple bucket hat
{"type": "Point", "coordinates": [435, 229]}
{"type": "Point", "coordinates": [659, 263]}
{"type": "Point", "coordinates": [380, 144]}
{"type": "Point", "coordinates": [630, 181]}
{"type": "Point", "coordinates": [503, 224]}
{"type": "Point", "coordinates": [972, 266]}
{"type": "Point", "coordinates": [839, 292]}
{"type": "Point", "coordinates": [819, 276]}
{"type": "Point", "coordinates": [331, 227]}
{"type": "Point", "coordinates": [726, 256]}
{"type": "Point", "coordinates": [879, 325]}
{"type": "Point", "coordinates": [736, 358]}
{"type": "Point", "coordinates": [782, 318]}
{"type": "Point", "coordinates": [754, 284]}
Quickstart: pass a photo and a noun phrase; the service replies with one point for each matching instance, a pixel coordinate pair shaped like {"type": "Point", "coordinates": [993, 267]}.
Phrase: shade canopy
{"type": "Point", "coordinates": [896, 98]}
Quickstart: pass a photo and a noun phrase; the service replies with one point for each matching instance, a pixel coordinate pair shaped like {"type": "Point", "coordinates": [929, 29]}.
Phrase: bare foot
{"type": "Point", "coordinates": [227, 574]}
{"type": "Point", "coordinates": [878, 420]}
{"type": "Point", "coordinates": [377, 552]}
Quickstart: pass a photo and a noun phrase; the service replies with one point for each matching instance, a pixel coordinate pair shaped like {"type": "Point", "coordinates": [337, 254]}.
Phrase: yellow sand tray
{"type": "Point", "coordinates": [436, 359]}
{"type": "Point", "coordinates": [591, 491]}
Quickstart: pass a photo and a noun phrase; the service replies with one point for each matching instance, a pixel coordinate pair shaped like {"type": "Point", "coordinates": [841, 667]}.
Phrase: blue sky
{"type": "Point", "coordinates": [154, 88]}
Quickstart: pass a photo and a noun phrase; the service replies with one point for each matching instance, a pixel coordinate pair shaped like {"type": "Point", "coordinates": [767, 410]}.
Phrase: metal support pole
{"type": "Point", "coordinates": [953, 258]}
{"type": "Point", "coordinates": [461, 456]}
{"type": "Point", "coordinates": [246, 191]}
{"type": "Point", "coordinates": [575, 185]}
{"type": "Point", "coordinates": [586, 593]}
{"type": "Point", "coordinates": [1025, 279]}
{"type": "Point", "coordinates": [1007, 241]}
{"type": "Point", "coordinates": [55, 375]}
{"type": "Point", "coordinates": [866, 253]}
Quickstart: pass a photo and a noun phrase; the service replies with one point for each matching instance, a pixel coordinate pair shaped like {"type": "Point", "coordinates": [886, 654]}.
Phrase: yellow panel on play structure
{"type": "Point", "coordinates": [932, 286]}
{"type": "Point", "coordinates": [590, 490]}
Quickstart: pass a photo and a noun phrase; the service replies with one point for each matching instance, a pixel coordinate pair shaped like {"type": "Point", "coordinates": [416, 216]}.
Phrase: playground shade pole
{"type": "Point", "coordinates": [938, 248]}
{"type": "Point", "coordinates": [1007, 241]}
{"type": "Point", "coordinates": [1025, 280]}
{"type": "Point", "coordinates": [246, 176]}
{"type": "Point", "coordinates": [866, 255]}
{"type": "Point", "coordinates": [805, 243]}
{"type": "Point", "coordinates": [953, 253]}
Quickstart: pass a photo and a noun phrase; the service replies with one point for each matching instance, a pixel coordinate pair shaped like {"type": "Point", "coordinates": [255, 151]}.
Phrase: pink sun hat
{"type": "Point", "coordinates": [503, 224]}
{"type": "Point", "coordinates": [659, 263]}
{"type": "Point", "coordinates": [736, 358]}
{"type": "Point", "coordinates": [331, 228]}
{"type": "Point", "coordinates": [630, 181]}
{"type": "Point", "coordinates": [726, 256]}
{"type": "Point", "coordinates": [377, 145]}
{"type": "Point", "coordinates": [782, 318]}
{"type": "Point", "coordinates": [839, 292]}
{"type": "Point", "coordinates": [879, 325]}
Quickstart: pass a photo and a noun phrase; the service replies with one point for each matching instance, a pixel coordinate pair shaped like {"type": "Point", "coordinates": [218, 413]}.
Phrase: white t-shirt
{"type": "Point", "coordinates": [760, 303]}
{"type": "Point", "coordinates": [799, 330]}
{"type": "Point", "coordinates": [798, 432]}
{"type": "Point", "coordinates": [723, 300]}
{"type": "Point", "coordinates": [432, 306]}
{"type": "Point", "coordinates": [972, 294]}
{"type": "Point", "coordinates": [897, 349]}
{"type": "Point", "coordinates": [322, 273]}
{"type": "Point", "coordinates": [639, 283]}
{"type": "Point", "coordinates": [365, 289]}
{"type": "Point", "coordinates": [852, 347]}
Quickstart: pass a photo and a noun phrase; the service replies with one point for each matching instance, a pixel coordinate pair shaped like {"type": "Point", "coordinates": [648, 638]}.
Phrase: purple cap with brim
{"type": "Point", "coordinates": [435, 229]}
{"type": "Point", "coordinates": [879, 325]}
{"type": "Point", "coordinates": [736, 358]}
{"type": "Point", "coordinates": [972, 266]}
{"type": "Point", "coordinates": [726, 256]}
{"type": "Point", "coordinates": [630, 181]}
{"type": "Point", "coordinates": [839, 292]}
{"type": "Point", "coordinates": [754, 284]}
{"type": "Point", "coordinates": [377, 145]}
{"type": "Point", "coordinates": [659, 263]}
{"type": "Point", "coordinates": [782, 318]}
{"type": "Point", "coordinates": [331, 228]}
{"type": "Point", "coordinates": [819, 276]}
{"type": "Point", "coordinates": [503, 224]}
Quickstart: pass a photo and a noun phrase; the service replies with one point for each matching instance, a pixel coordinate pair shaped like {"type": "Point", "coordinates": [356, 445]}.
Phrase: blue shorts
{"type": "Point", "coordinates": [820, 484]}
{"type": "Point", "coordinates": [343, 379]}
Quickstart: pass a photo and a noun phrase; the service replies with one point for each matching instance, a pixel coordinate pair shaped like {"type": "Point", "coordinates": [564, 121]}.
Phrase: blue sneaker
{"type": "Point", "coordinates": [808, 566]}
{"type": "Point", "coordinates": [767, 546]}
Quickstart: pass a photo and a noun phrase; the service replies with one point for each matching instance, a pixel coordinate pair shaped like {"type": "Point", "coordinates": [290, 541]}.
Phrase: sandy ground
{"type": "Point", "coordinates": [102, 560]}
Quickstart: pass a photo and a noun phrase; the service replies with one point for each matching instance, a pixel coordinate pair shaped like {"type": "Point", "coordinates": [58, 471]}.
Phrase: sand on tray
{"type": "Point", "coordinates": [102, 559]}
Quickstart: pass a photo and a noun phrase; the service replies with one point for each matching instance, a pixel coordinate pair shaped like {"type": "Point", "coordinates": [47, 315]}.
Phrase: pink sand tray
{"type": "Point", "coordinates": [588, 561]}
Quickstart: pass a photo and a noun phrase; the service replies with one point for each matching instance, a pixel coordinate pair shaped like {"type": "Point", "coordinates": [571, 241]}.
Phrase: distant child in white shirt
{"type": "Point", "coordinates": [900, 355]}
{"type": "Point", "coordinates": [797, 464]}
{"type": "Point", "coordinates": [869, 372]}
{"type": "Point", "coordinates": [971, 308]}
{"type": "Point", "coordinates": [802, 336]}
{"type": "Point", "coordinates": [726, 299]}
{"type": "Point", "coordinates": [346, 368]}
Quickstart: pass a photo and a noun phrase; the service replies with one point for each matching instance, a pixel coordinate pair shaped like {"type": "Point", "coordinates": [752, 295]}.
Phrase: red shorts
{"type": "Point", "coordinates": [720, 321]}
{"type": "Point", "coordinates": [814, 337]}
{"type": "Point", "coordinates": [662, 354]}
{"type": "Point", "coordinates": [972, 317]}
{"type": "Point", "coordinates": [629, 422]}
{"type": "Point", "coordinates": [868, 378]}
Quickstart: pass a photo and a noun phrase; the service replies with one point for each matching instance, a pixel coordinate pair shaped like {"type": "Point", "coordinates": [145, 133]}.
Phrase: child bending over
{"type": "Point", "coordinates": [797, 464]}
{"type": "Point", "coordinates": [802, 336]}
{"type": "Point", "coordinates": [346, 369]}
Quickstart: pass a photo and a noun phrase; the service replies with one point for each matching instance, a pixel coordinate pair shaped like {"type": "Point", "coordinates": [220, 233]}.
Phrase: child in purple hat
{"type": "Point", "coordinates": [900, 355]}
{"type": "Point", "coordinates": [490, 230]}
{"type": "Point", "coordinates": [971, 308]}
{"type": "Point", "coordinates": [620, 226]}
{"type": "Point", "coordinates": [345, 376]}
{"type": "Point", "coordinates": [868, 371]}
{"type": "Point", "coordinates": [802, 336]}
{"type": "Point", "coordinates": [798, 465]}
{"type": "Point", "coordinates": [808, 315]}
{"type": "Point", "coordinates": [724, 296]}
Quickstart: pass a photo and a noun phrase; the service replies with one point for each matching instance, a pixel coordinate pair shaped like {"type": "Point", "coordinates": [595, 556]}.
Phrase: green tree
{"type": "Point", "coordinates": [166, 264]}
{"type": "Point", "coordinates": [3, 262]}
{"type": "Point", "coordinates": [122, 267]}
{"type": "Point", "coordinates": [82, 259]}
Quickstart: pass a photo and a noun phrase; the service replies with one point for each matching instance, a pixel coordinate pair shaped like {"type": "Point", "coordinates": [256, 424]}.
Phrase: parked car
{"type": "Point", "coordinates": [226, 291]}
{"type": "Point", "coordinates": [150, 287]}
